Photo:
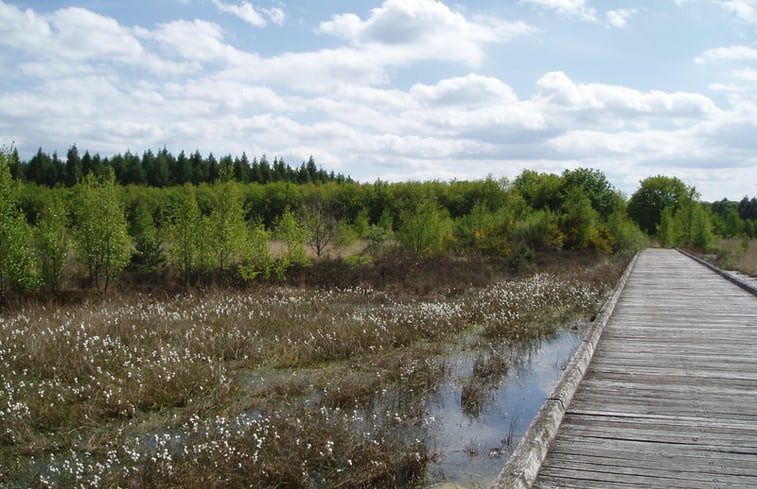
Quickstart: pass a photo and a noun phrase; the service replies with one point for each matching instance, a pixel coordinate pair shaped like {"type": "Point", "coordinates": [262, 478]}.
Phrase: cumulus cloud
{"type": "Point", "coordinates": [619, 18]}
{"type": "Point", "coordinates": [470, 91]}
{"type": "Point", "coordinates": [244, 11]}
{"type": "Point", "coordinates": [72, 33]}
{"type": "Point", "coordinates": [256, 17]}
{"type": "Point", "coordinates": [558, 89]}
{"type": "Point", "coordinates": [423, 29]}
{"type": "Point", "coordinates": [195, 41]}
{"type": "Point", "coordinates": [742, 81]}
{"type": "Point", "coordinates": [746, 10]}
{"type": "Point", "coordinates": [578, 9]}
{"type": "Point", "coordinates": [275, 15]}
{"type": "Point", "coordinates": [728, 54]}
{"type": "Point", "coordinates": [69, 40]}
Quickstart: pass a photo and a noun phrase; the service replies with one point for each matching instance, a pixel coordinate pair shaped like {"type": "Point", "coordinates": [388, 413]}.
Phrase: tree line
{"type": "Point", "coordinates": [162, 169]}
{"type": "Point", "coordinates": [89, 233]}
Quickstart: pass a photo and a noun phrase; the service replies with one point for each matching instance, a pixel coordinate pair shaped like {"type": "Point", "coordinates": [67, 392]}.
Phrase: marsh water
{"type": "Point", "coordinates": [476, 428]}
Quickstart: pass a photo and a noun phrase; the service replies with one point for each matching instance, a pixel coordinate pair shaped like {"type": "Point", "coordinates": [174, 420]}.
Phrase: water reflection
{"type": "Point", "coordinates": [482, 410]}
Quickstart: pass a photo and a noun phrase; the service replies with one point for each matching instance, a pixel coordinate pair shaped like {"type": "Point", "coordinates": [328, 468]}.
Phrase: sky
{"type": "Point", "coordinates": [395, 90]}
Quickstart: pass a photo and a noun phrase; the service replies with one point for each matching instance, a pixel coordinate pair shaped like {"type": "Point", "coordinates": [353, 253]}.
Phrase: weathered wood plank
{"type": "Point", "coordinates": [670, 396]}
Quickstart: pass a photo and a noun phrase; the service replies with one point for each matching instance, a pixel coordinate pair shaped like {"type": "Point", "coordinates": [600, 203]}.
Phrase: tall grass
{"type": "Point", "coordinates": [741, 255]}
{"type": "Point", "coordinates": [266, 387]}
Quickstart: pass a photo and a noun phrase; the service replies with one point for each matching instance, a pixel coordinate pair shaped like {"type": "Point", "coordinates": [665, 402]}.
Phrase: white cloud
{"type": "Point", "coordinates": [728, 54]}
{"type": "Point", "coordinates": [746, 10]}
{"type": "Point", "coordinates": [747, 75]}
{"type": "Point", "coordinates": [469, 91]}
{"type": "Point", "coordinates": [23, 30]}
{"type": "Point", "coordinates": [276, 15]}
{"type": "Point", "coordinates": [73, 40]}
{"type": "Point", "coordinates": [247, 12]}
{"type": "Point", "coordinates": [198, 40]}
{"type": "Point", "coordinates": [71, 33]}
{"type": "Point", "coordinates": [557, 89]}
{"type": "Point", "coordinates": [619, 18]}
{"type": "Point", "coordinates": [578, 9]}
{"type": "Point", "coordinates": [743, 84]}
{"type": "Point", "coordinates": [417, 29]}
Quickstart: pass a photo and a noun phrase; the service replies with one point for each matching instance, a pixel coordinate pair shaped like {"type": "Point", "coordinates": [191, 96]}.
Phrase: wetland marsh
{"type": "Point", "coordinates": [282, 386]}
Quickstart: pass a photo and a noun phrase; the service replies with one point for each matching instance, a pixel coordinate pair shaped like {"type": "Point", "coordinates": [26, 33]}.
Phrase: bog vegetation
{"type": "Point", "coordinates": [187, 322]}
{"type": "Point", "coordinates": [90, 222]}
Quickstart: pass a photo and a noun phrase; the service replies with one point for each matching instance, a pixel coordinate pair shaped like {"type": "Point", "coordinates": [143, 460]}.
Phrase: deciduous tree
{"type": "Point", "coordinates": [227, 227]}
{"type": "Point", "coordinates": [424, 228]}
{"type": "Point", "coordinates": [18, 265]}
{"type": "Point", "coordinates": [655, 194]}
{"type": "Point", "coordinates": [188, 236]}
{"type": "Point", "coordinates": [52, 243]}
{"type": "Point", "coordinates": [101, 235]}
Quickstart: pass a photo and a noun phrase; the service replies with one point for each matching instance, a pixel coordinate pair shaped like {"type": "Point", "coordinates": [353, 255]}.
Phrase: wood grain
{"type": "Point", "coordinates": [669, 399]}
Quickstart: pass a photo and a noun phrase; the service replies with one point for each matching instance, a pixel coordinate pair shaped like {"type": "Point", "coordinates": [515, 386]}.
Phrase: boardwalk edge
{"type": "Point", "coordinates": [522, 467]}
{"type": "Point", "coordinates": [728, 276]}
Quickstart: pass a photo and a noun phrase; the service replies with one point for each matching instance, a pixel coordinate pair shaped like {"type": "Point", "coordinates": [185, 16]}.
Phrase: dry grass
{"type": "Point", "coordinates": [265, 387]}
{"type": "Point", "coordinates": [741, 255]}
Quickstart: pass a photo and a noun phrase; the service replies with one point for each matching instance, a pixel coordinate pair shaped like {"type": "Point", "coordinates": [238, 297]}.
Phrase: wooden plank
{"type": "Point", "coordinates": [670, 396]}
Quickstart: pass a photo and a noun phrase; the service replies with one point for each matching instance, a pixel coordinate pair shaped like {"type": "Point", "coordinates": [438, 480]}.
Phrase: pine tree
{"type": "Point", "coordinates": [74, 170]}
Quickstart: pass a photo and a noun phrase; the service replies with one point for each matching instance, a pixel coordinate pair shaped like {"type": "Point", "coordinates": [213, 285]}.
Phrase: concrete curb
{"type": "Point", "coordinates": [728, 276]}
{"type": "Point", "coordinates": [524, 464]}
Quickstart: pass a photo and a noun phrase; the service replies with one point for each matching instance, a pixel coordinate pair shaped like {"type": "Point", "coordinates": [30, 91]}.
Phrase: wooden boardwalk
{"type": "Point", "coordinates": [670, 397]}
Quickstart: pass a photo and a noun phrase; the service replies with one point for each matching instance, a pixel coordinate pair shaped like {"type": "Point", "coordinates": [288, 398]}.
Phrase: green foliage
{"type": "Point", "coordinates": [18, 264]}
{"type": "Point", "coordinates": [485, 230]}
{"type": "Point", "coordinates": [603, 197]}
{"type": "Point", "coordinates": [726, 218]}
{"type": "Point", "coordinates": [188, 234]}
{"type": "Point", "coordinates": [203, 227]}
{"type": "Point", "coordinates": [346, 234]}
{"type": "Point", "coordinates": [101, 235]}
{"type": "Point", "coordinates": [692, 226]}
{"type": "Point", "coordinates": [701, 229]}
{"type": "Point", "coordinates": [655, 194]}
{"type": "Point", "coordinates": [579, 221]}
{"type": "Point", "coordinates": [539, 231]}
{"type": "Point", "coordinates": [149, 241]}
{"type": "Point", "coordinates": [162, 168]}
{"type": "Point", "coordinates": [377, 236]}
{"type": "Point", "coordinates": [294, 237]}
{"type": "Point", "coordinates": [52, 243]}
{"type": "Point", "coordinates": [226, 225]}
{"type": "Point", "coordinates": [627, 236]}
{"type": "Point", "coordinates": [540, 190]}
{"type": "Point", "coordinates": [734, 225]}
{"type": "Point", "coordinates": [665, 231]}
{"type": "Point", "coordinates": [257, 261]}
{"type": "Point", "coordinates": [424, 229]}
{"type": "Point", "coordinates": [320, 223]}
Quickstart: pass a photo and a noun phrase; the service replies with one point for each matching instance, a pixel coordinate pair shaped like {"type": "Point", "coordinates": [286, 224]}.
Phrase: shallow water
{"type": "Point", "coordinates": [473, 444]}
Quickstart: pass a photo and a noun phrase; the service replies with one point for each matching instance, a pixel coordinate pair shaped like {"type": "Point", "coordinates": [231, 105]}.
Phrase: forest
{"type": "Point", "coordinates": [89, 222]}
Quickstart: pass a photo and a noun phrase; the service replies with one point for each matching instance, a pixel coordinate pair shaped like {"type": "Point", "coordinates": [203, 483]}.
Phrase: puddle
{"type": "Point", "coordinates": [474, 439]}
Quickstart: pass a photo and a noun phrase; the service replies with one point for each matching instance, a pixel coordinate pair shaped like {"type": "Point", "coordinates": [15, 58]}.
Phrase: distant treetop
{"type": "Point", "coordinates": [163, 169]}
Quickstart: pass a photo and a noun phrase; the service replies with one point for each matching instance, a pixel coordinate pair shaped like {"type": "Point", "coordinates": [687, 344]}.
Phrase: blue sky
{"type": "Point", "coordinates": [396, 90]}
